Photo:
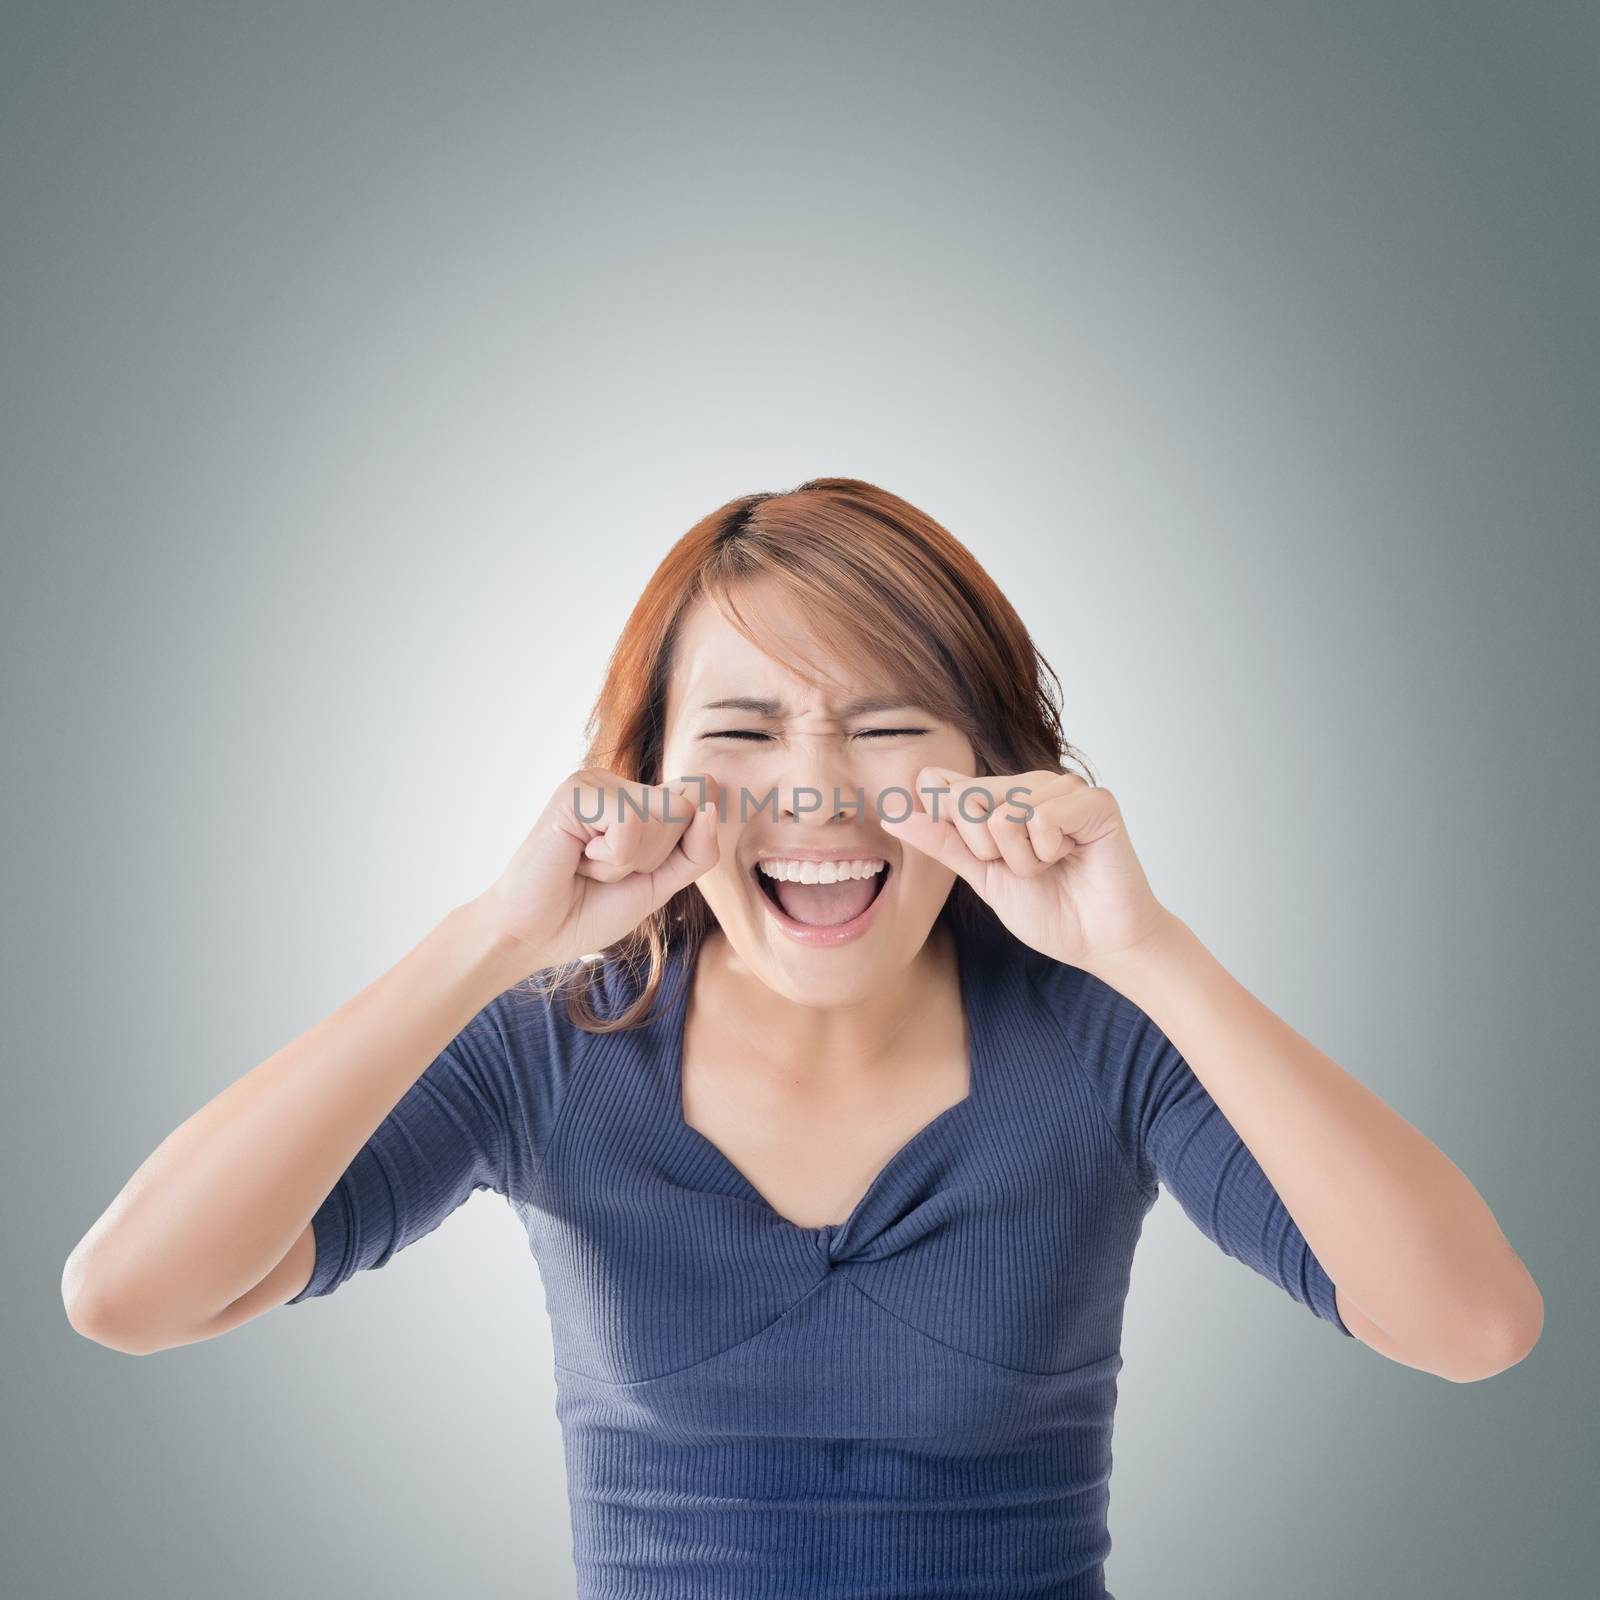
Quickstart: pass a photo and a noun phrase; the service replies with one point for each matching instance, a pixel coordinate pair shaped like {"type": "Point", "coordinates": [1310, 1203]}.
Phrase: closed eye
{"type": "Point", "coordinates": [864, 733]}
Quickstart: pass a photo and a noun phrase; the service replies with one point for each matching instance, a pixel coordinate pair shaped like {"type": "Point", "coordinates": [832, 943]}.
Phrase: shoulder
{"type": "Point", "coordinates": [1094, 1017]}
{"type": "Point", "coordinates": [1114, 1046]}
{"type": "Point", "coordinates": [537, 1031]}
{"type": "Point", "coordinates": [1076, 1009]}
{"type": "Point", "coordinates": [527, 1046]}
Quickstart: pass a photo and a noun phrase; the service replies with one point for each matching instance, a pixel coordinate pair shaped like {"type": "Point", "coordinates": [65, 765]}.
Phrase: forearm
{"type": "Point", "coordinates": [1398, 1227]}
{"type": "Point", "coordinates": [220, 1201]}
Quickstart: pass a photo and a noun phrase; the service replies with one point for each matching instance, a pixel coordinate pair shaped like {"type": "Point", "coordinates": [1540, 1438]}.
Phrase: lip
{"type": "Point", "coordinates": [808, 933]}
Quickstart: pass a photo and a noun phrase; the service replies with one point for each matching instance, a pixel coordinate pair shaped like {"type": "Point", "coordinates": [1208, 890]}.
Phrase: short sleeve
{"type": "Point", "coordinates": [479, 1117]}
{"type": "Point", "coordinates": [1174, 1135]}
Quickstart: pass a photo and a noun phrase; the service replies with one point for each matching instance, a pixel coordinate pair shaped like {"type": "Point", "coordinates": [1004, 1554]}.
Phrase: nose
{"type": "Point", "coordinates": [817, 786]}
{"type": "Point", "coordinates": [809, 805]}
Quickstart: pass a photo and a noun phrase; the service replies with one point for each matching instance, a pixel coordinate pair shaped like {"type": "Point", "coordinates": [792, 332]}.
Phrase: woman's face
{"type": "Point", "coordinates": [804, 773]}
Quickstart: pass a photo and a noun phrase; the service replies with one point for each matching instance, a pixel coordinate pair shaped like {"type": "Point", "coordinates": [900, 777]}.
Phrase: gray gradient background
{"type": "Point", "coordinates": [359, 362]}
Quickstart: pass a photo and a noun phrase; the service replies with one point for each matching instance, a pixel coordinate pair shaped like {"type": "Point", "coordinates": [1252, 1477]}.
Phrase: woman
{"type": "Point", "coordinates": [832, 1045]}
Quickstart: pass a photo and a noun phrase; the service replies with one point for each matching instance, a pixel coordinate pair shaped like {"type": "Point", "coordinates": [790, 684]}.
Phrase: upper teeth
{"type": "Point", "coordinates": [820, 871]}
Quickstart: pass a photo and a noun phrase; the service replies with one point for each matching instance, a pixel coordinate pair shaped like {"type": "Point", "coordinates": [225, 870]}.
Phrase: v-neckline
{"type": "Point", "coordinates": [677, 1023]}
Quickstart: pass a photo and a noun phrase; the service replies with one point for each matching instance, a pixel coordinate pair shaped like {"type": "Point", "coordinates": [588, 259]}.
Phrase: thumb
{"type": "Point", "coordinates": [938, 838]}
{"type": "Point", "coordinates": [697, 850]}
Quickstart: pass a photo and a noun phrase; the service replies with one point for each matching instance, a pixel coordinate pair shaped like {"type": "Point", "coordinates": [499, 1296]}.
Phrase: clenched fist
{"type": "Point", "coordinates": [603, 855]}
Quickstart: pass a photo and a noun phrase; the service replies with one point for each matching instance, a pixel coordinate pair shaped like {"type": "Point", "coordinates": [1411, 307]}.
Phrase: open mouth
{"type": "Point", "coordinates": [839, 905]}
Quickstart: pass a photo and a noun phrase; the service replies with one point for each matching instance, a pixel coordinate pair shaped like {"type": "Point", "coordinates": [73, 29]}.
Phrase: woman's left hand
{"type": "Point", "coordinates": [1064, 879]}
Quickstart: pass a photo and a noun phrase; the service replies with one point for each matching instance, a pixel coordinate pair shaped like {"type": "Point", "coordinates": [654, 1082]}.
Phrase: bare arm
{"type": "Point", "coordinates": [215, 1226]}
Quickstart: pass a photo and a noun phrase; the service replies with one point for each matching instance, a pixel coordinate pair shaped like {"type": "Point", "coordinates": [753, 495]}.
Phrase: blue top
{"type": "Point", "coordinates": [917, 1401]}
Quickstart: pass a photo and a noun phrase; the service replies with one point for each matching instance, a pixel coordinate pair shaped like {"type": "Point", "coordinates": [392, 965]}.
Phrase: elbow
{"type": "Point", "coordinates": [94, 1313]}
{"type": "Point", "coordinates": [100, 1330]}
{"type": "Point", "coordinates": [93, 1317]}
{"type": "Point", "coordinates": [1504, 1340]}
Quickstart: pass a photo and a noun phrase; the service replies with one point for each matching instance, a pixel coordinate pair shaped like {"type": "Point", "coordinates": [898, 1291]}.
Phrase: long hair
{"type": "Point", "coordinates": [897, 598]}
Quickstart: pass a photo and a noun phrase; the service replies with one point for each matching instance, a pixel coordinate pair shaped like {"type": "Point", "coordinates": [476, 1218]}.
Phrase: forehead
{"type": "Point", "coordinates": [714, 660]}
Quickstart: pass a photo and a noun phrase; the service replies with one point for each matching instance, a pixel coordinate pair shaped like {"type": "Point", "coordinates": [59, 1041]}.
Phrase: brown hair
{"type": "Point", "coordinates": [898, 599]}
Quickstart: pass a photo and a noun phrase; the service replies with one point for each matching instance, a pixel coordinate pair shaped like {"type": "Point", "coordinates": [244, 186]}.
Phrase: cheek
{"type": "Point", "coordinates": [951, 749]}
{"type": "Point", "coordinates": [921, 875]}
{"type": "Point", "coordinates": [893, 785]}
{"type": "Point", "coordinates": [724, 878]}
{"type": "Point", "coordinates": [946, 749]}
{"type": "Point", "coordinates": [675, 761]}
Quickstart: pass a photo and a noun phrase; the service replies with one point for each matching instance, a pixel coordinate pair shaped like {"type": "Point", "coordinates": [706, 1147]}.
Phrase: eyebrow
{"type": "Point", "coordinates": [771, 708]}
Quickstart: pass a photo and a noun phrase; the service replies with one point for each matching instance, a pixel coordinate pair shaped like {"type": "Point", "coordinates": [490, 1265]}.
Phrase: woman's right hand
{"type": "Point", "coordinates": [580, 882]}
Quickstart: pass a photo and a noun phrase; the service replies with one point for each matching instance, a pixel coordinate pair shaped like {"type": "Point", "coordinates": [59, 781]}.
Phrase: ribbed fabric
{"type": "Point", "coordinates": [916, 1403]}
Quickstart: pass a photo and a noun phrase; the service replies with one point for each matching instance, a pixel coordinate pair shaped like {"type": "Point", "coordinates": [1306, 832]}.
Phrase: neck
{"type": "Point", "coordinates": [908, 1013]}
